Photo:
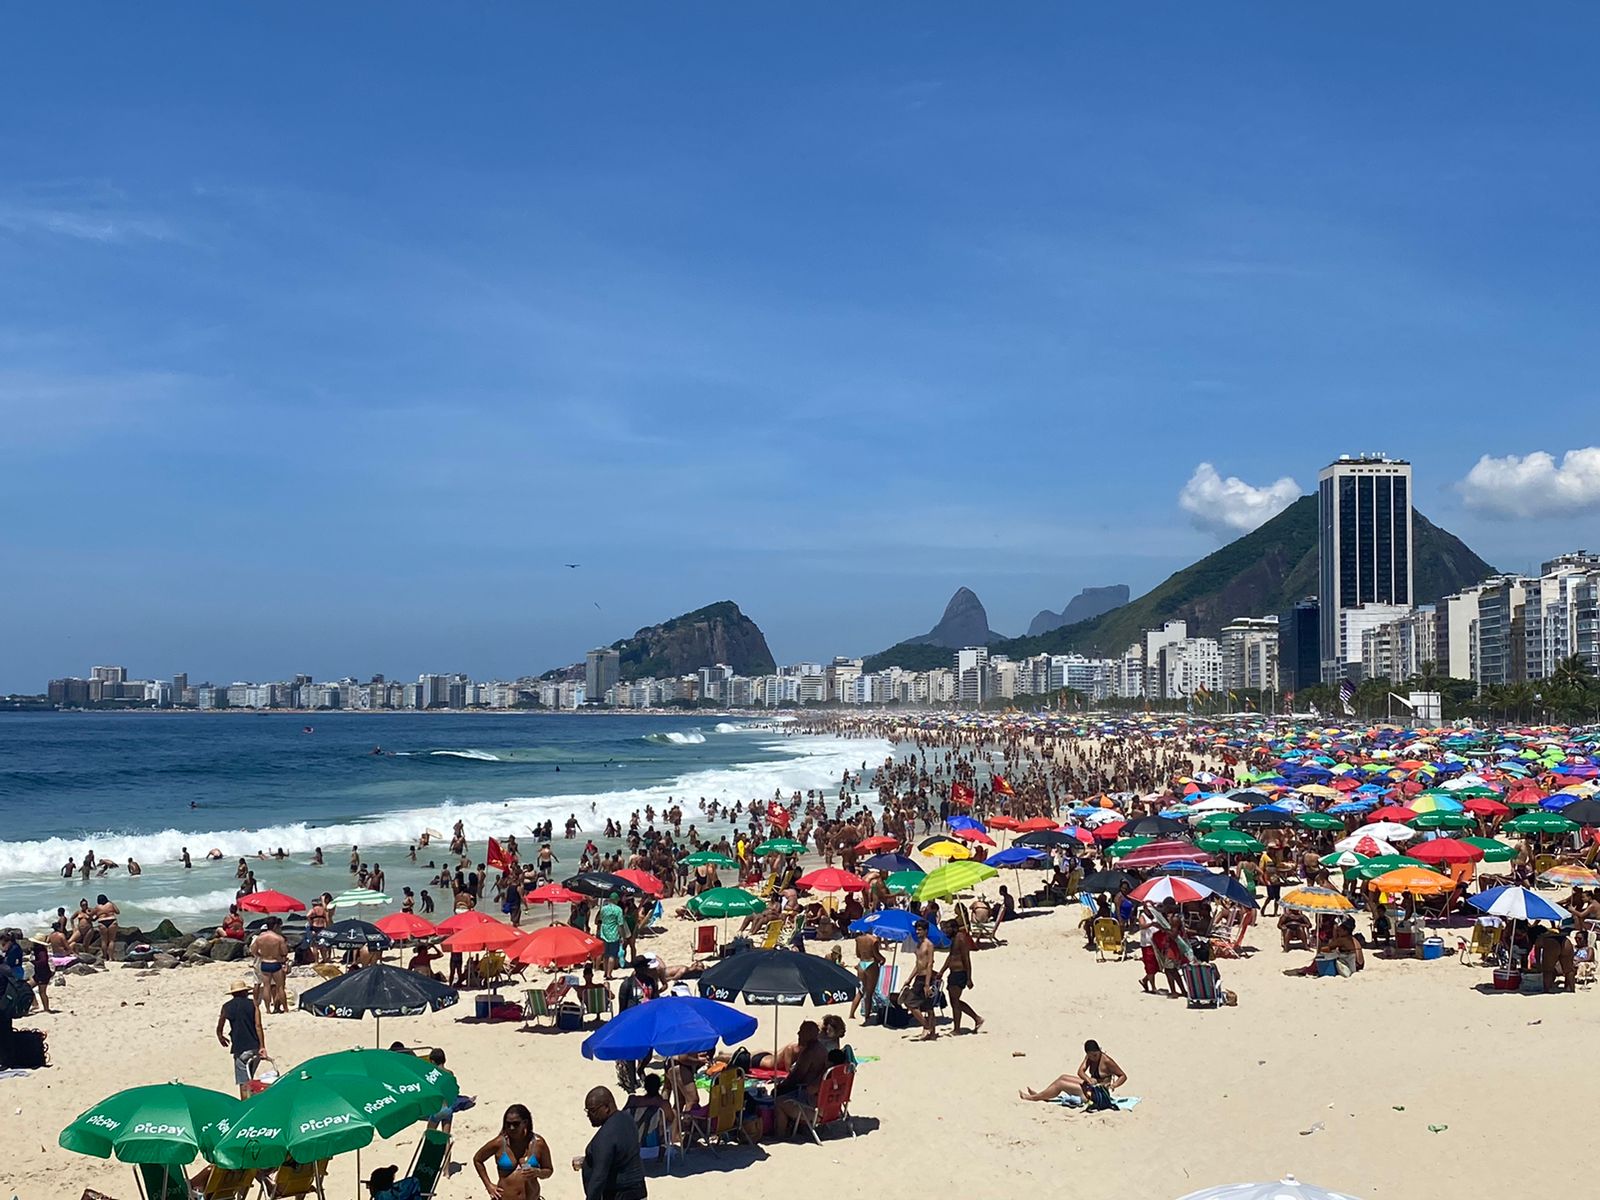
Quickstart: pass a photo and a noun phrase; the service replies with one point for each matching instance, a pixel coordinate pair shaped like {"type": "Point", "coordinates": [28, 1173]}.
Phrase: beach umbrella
{"type": "Point", "coordinates": [877, 843]}
{"type": "Point", "coordinates": [1342, 859]}
{"type": "Point", "coordinates": [895, 925]}
{"type": "Point", "coordinates": [725, 902]}
{"type": "Point", "coordinates": [1035, 825]}
{"type": "Point", "coordinates": [890, 863]}
{"type": "Point", "coordinates": [644, 882]}
{"type": "Point", "coordinates": [1445, 820]}
{"type": "Point", "coordinates": [164, 1124]}
{"type": "Point", "coordinates": [309, 1120]}
{"type": "Point", "coordinates": [1230, 841]}
{"type": "Point", "coordinates": [555, 946]}
{"type": "Point", "coordinates": [904, 883]}
{"type": "Point", "coordinates": [1446, 850]}
{"type": "Point", "coordinates": [1416, 881]}
{"type": "Point", "coordinates": [778, 977]}
{"type": "Point", "coordinates": [1365, 844]}
{"type": "Point", "coordinates": [1107, 881]}
{"type": "Point", "coordinates": [952, 878]}
{"type": "Point", "coordinates": [487, 935]}
{"type": "Point", "coordinates": [1123, 847]}
{"type": "Point", "coordinates": [1154, 827]}
{"type": "Point", "coordinates": [1288, 1188]}
{"type": "Point", "coordinates": [1047, 839]}
{"type": "Point", "coordinates": [782, 844]}
{"type": "Point", "coordinates": [1215, 821]}
{"type": "Point", "coordinates": [1570, 875]}
{"type": "Point", "coordinates": [1157, 854]}
{"type": "Point", "coordinates": [1494, 851]}
{"type": "Point", "coordinates": [352, 935]}
{"type": "Point", "coordinates": [1225, 886]}
{"type": "Point", "coordinates": [1317, 900]}
{"type": "Point", "coordinates": [359, 898]}
{"type": "Point", "coordinates": [420, 1087]}
{"type": "Point", "coordinates": [1382, 863]}
{"type": "Point", "coordinates": [381, 990]}
{"type": "Point", "coordinates": [402, 926]}
{"type": "Point", "coordinates": [975, 837]}
{"type": "Point", "coordinates": [270, 902]}
{"type": "Point", "coordinates": [963, 821]}
{"type": "Point", "coordinates": [1583, 811]}
{"type": "Point", "coordinates": [1317, 820]}
{"type": "Point", "coordinates": [668, 1025]}
{"type": "Point", "coordinates": [1263, 818]}
{"type": "Point", "coordinates": [1171, 887]}
{"type": "Point", "coordinates": [1018, 856]}
{"type": "Point", "coordinates": [831, 879]}
{"type": "Point", "coordinates": [1539, 821]}
{"type": "Point", "coordinates": [1389, 831]}
{"type": "Point", "coordinates": [1517, 903]}
{"type": "Point", "coordinates": [464, 920]}
{"type": "Point", "coordinates": [1004, 822]}
{"type": "Point", "coordinates": [1219, 804]}
{"type": "Point", "coordinates": [552, 893]}
{"type": "Point", "coordinates": [940, 846]}
{"type": "Point", "coordinates": [710, 858]}
{"type": "Point", "coordinates": [601, 884]}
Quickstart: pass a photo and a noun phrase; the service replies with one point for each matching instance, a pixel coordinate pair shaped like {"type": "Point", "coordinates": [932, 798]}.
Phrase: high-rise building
{"type": "Point", "coordinates": [602, 668]}
{"type": "Point", "coordinates": [1299, 646]}
{"type": "Point", "coordinates": [972, 675]}
{"type": "Point", "coordinates": [1250, 653]}
{"type": "Point", "coordinates": [1364, 567]}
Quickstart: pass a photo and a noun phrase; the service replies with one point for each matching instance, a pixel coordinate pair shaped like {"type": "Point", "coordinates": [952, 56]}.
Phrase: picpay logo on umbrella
{"type": "Point", "coordinates": [317, 1123]}
{"type": "Point", "coordinates": [165, 1130]}
{"type": "Point", "coordinates": [103, 1122]}
{"type": "Point", "coordinates": [249, 1133]}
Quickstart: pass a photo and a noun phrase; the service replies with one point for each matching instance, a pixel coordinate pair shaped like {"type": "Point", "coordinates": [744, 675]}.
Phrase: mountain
{"type": "Point", "coordinates": [1263, 572]}
{"type": "Point", "coordinates": [717, 633]}
{"type": "Point", "coordinates": [965, 623]}
{"type": "Point", "coordinates": [1090, 602]}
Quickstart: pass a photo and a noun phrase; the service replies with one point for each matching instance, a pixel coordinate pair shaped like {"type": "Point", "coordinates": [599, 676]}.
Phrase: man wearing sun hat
{"type": "Point", "coordinates": [242, 1017]}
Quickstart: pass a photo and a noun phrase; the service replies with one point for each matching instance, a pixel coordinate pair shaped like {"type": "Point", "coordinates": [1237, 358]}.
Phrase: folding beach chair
{"type": "Point", "coordinates": [536, 1004]}
{"type": "Point", "coordinates": [430, 1162]}
{"type": "Point", "coordinates": [655, 1139]}
{"type": "Point", "coordinates": [1108, 938]}
{"type": "Point", "coordinates": [724, 1114]}
{"type": "Point", "coordinates": [833, 1103]}
{"type": "Point", "coordinates": [705, 942]}
{"type": "Point", "coordinates": [292, 1181]}
{"type": "Point", "coordinates": [596, 1000]}
{"type": "Point", "coordinates": [1203, 983]}
{"type": "Point", "coordinates": [1484, 945]}
{"type": "Point", "coordinates": [227, 1185]}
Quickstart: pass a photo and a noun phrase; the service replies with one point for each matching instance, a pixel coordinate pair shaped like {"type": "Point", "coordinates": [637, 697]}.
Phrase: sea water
{"type": "Point", "coordinates": [147, 785]}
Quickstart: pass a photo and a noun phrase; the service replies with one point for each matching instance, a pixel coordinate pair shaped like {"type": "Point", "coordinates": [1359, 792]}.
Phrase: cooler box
{"type": "Point", "coordinates": [1405, 939]}
{"type": "Point", "coordinates": [895, 1017]}
{"type": "Point", "coordinates": [1433, 948]}
{"type": "Point", "coordinates": [1507, 981]}
{"type": "Point", "coordinates": [569, 1018]}
{"type": "Point", "coordinates": [1327, 966]}
{"type": "Point", "coordinates": [1532, 981]}
{"type": "Point", "coordinates": [480, 1008]}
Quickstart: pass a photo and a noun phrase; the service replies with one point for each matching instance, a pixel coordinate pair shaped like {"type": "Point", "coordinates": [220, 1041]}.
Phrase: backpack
{"type": "Point", "coordinates": [16, 998]}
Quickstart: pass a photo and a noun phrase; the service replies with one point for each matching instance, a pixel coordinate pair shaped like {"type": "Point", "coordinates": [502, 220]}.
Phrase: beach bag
{"type": "Point", "coordinates": [16, 998]}
{"type": "Point", "coordinates": [1097, 1098]}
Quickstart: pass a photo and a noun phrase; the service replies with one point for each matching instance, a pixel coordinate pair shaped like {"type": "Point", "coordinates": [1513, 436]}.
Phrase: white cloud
{"type": "Point", "coordinates": [1230, 507]}
{"type": "Point", "coordinates": [1532, 485]}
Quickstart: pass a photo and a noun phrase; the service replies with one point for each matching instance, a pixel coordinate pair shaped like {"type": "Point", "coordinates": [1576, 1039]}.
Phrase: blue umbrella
{"type": "Point", "coordinates": [960, 822]}
{"type": "Point", "coordinates": [894, 925]}
{"type": "Point", "coordinates": [890, 863]}
{"type": "Point", "coordinates": [666, 1026]}
{"type": "Point", "coordinates": [1016, 856]}
{"type": "Point", "coordinates": [1518, 904]}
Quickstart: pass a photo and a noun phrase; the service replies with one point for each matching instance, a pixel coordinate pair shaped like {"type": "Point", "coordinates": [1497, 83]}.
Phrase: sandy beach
{"type": "Point", "coordinates": [1336, 1080]}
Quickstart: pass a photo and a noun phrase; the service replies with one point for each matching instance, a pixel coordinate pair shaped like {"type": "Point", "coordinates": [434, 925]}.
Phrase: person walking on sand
{"type": "Point", "coordinates": [610, 1164]}
{"type": "Point", "coordinates": [1098, 1069]}
{"type": "Point", "coordinates": [246, 1037]}
{"type": "Point", "coordinates": [920, 994]}
{"type": "Point", "coordinates": [957, 974]}
{"type": "Point", "coordinates": [869, 965]}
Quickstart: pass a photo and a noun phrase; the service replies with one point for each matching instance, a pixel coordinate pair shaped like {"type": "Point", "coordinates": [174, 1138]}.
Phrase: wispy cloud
{"type": "Point", "coordinates": [87, 225]}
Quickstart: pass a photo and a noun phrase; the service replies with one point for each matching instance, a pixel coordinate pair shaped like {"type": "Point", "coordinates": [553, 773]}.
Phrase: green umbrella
{"type": "Point", "coordinates": [1215, 821]}
{"type": "Point", "coordinates": [709, 858]}
{"type": "Point", "coordinates": [781, 845]}
{"type": "Point", "coordinates": [422, 1088]}
{"type": "Point", "coordinates": [1381, 864]}
{"type": "Point", "coordinates": [904, 883]}
{"type": "Point", "coordinates": [1539, 820]}
{"type": "Point", "coordinates": [165, 1124]}
{"type": "Point", "coordinates": [309, 1120]}
{"type": "Point", "coordinates": [1494, 851]}
{"type": "Point", "coordinates": [1317, 820]}
{"type": "Point", "coordinates": [357, 898]}
{"type": "Point", "coordinates": [1230, 841]}
{"type": "Point", "coordinates": [1345, 860]}
{"type": "Point", "coordinates": [1443, 820]}
{"type": "Point", "coordinates": [951, 878]}
{"type": "Point", "coordinates": [725, 902]}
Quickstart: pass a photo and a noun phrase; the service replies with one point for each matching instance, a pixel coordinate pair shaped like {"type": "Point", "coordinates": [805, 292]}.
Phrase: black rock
{"type": "Point", "coordinates": [965, 623]}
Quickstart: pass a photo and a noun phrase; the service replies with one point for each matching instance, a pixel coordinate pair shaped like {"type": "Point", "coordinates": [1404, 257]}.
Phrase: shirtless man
{"type": "Point", "coordinates": [271, 953]}
{"type": "Point", "coordinates": [957, 973]}
{"type": "Point", "coordinates": [869, 964]}
{"type": "Point", "coordinates": [105, 916]}
{"type": "Point", "coordinates": [920, 1000]}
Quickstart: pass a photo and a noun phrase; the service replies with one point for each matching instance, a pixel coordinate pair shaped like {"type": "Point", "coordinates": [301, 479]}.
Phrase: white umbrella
{"type": "Point", "coordinates": [1349, 844]}
{"type": "Point", "coordinates": [1102, 816]}
{"type": "Point", "coordinates": [1218, 804]}
{"type": "Point", "coordinates": [1389, 831]}
{"type": "Point", "coordinates": [1287, 1188]}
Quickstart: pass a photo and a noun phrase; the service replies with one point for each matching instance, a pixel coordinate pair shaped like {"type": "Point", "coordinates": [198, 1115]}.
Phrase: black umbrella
{"type": "Point", "coordinates": [1251, 797]}
{"type": "Point", "coordinates": [1584, 812]}
{"type": "Point", "coordinates": [381, 990]}
{"type": "Point", "coordinates": [779, 977]}
{"type": "Point", "coordinates": [1107, 881]}
{"type": "Point", "coordinates": [1046, 839]}
{"type": "Point", "coordinates": [1153, 827]}
{"type": "Point", "coordinates": [1262, 818]}
{"type": "Point", "coordinates": [352, 935]}
{"type": "Point", "coordinates": [603, 883]}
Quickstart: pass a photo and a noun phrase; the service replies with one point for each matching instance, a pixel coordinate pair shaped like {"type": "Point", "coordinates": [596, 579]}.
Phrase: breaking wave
{"type": "Point", "coordinates": [674, 737]}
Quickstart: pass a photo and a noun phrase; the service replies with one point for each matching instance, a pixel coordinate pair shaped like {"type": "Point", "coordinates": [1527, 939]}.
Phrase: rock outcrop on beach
{"type": "Point", "coordinates": [718, 634]}
{"type": "Point", "coordinates": [1090, 602]}
{"type": "Point", "coordinates": [965, 623]}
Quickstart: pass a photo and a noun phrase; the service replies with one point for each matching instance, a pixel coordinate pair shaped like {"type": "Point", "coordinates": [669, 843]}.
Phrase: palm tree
{"type": "Point", "coordinates": [1573, 673]}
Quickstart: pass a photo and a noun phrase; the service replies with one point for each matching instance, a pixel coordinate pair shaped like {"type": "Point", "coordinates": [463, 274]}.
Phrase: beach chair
{"type": "Point", "coordinates": [226, 1185]}
{"type": "Point", "coordinates": [655, 1139]}
{"type": "Point", "coordinates": [1484, 945]}
{"type": "Point", "coordinates": [777, 931]}
{"type": "Point", "coordinates": [430, 1162]}
{"type": "Point", "coordinates": [536, 1004]}
{"type": "Point", "coordinates": [596, 1001]}
{"type": "Point", "coordinates": [833, 1104]}
{"type": "Point", "coordinates": [1586, 974]}
{"type": "Point", "coordinates": [982, 933]}
{"type": "Point", "coordinates": [724, 1113]}
{"type": "Point", "coordinates": [492, 968]}
{"type": "Point", "coordinates": [705, 942]}
{"type": "Point", "coordinates": [157, 1182]}
{"type": "Point", "coordinates": [1541, 864]}
{"type": "Point", "coordinates": [1230, 947]}
{"type": "Point", "coordinates": [295, 1180]}
{"type": "Point", "coordinates": [1203, 983]}
{"type": "Point", "coordinates": [1108, 938]}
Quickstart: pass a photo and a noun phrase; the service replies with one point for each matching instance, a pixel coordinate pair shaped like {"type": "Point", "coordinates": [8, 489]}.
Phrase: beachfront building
{"type": "Point", "coordinates": [1189, 666]}
{"type": "Point", "coordinates": [1499, 636]}
{"type": "Point", "coordinates": [1250, 653]}
{"type": "Point", "coordinates": [1554, 604]}
{"type": "Point", "coordinates": [1364, 571]}
{"type": "Point", "coordinates": [602, 669]}
{"type": "Point", "coordinates": [1299, 646]}
{"type": "Point", "coordinates": [1155, 641]}
{"type": "Point", "coordinates": [972, 675]}
{"type": "Point", "coordinates": [1397, 650]}
{"type": "Point", "coordinates": [1128, 678]}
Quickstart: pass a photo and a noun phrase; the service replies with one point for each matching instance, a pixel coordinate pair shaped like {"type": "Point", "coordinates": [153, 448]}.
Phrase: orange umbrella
{"type": "Point", "coordinates": [556, 946]}
{"type": "Point", "coordinates": [490, 935]}
{"type": "Point", "coordinates": [878, 842]}
{"type": "Point", "coordinates": [1418, 881]}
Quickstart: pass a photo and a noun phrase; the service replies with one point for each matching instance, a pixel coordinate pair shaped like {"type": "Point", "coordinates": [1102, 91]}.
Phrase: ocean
{"type": "Point", "coordinates": [146, 785]}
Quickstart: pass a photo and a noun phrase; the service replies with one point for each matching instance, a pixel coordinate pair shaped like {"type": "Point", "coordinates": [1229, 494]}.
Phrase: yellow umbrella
{"type": "Point", "coordinates": [1317, 900]}
{"type": "Point", "coordinates": [944, 848]}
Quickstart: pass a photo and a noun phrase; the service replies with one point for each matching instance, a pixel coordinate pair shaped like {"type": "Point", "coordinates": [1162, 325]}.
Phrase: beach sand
{"type": "Point", "coordinates": [1334, 1080]}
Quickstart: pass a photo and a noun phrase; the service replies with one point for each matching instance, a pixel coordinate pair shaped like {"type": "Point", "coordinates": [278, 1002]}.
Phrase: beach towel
{"type": "Point", "coordinates": [1123, 1103]}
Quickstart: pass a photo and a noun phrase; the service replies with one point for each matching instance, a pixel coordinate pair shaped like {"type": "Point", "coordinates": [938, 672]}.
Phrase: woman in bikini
{"type": "Point", "coordinates": [521, 1158]}
{"type": "Point", "coordinates": [1098, 1069]}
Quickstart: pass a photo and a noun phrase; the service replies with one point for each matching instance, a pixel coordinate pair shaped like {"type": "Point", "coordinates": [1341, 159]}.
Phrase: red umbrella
{"type": "Point", "coordinates": [490, 935]}
{"type": "Point", "coordinates": [646, 882]}
{"type": "Point", "coordinates": [1528, 795]}
{"type": "Point", "coordinates": [556, 946]}
{"type": "Point", "coordinates": [1005, 822]}
{"type": "Point", "coordinates": [1155, 854]}
{"type": "Point", "coordinates": [1484, 807]}
{"type": "Point", "coordinates": [1446, 850]}
{"type": "Point", "coordinates": [876, 843]}
{"type": "Point", "coordinates": [1391, 812]}
{"type": "Point", "coordinates": [554, 893]}
{"type": "Point", "coordinates": [972, 835]}
{"type": "Point", "coordinates": [1109, 830]}
{"type": "Point", "coordinates": [1173, 887]}
{"type": "Point", "coordinates": [832, 879]}
{"type": "Point", "coordinates": [270, 902]}
{"type": "Point", "coordinates": [1079, 832]}
{"type": "Point", "coordinates": [465, 920]}
{"type": "Point", "coordinates": [1035, 825]}
{"type": "Point", "coordinates": [403, 925]}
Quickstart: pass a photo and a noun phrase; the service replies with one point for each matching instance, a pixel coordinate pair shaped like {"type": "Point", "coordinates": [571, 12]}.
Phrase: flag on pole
{"type": "Point", "coordinates": [496, 857]}
{"type": "Point", "coordinates": [1347, 695]}
{"type": "Point", "coordinates": [961, 793]}
{"type": "Point", "coordinates": [997, 783]}
{"type": "Point", "coordinates": [777, 815]}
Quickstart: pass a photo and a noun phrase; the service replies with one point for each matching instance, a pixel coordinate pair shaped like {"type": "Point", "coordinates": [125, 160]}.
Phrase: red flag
{"type": "Point", "coordinates": [778, 815]}
{"type": "Point", "coordinates": [960, 793]}
{"type": "Point", "coordinates": [998, 783]}
{"type": "Point", "coordinates": [497, 857]}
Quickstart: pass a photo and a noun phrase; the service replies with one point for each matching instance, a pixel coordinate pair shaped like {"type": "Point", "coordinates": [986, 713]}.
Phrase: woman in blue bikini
{"type": "Point", "coordinates": [521, 1158]}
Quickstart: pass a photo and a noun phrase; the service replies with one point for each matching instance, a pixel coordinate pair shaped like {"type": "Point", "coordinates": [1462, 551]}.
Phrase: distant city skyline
{"type": "Point", "coordinates": [332, 354]}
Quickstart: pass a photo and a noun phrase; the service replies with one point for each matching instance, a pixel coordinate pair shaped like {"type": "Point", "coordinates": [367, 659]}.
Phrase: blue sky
{"type": "Point", "coordinates": [328, 334]}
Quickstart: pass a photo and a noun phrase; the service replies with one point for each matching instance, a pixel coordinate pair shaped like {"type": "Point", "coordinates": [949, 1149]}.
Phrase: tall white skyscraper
{"type": "Point", "coordinates": [1364, 560]}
